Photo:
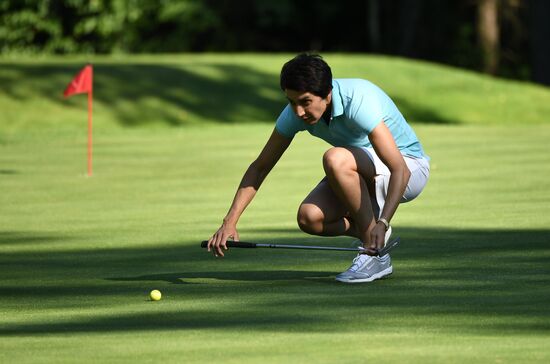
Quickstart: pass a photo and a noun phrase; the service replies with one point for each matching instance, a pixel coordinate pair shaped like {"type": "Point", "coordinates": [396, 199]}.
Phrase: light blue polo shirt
{"type": "Point", "coordinates": [357, 108]}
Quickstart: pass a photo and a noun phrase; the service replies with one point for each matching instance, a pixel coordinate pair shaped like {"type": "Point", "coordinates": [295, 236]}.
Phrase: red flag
{"type": "Point", "coordinates": [81, 83]}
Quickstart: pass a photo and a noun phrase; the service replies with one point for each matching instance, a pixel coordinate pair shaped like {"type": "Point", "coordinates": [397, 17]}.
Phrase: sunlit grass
{"type": "Point", "coordinates": [80, 255]}
{"type": "Point", "coordinates": [173, 136]}
{"type": "Point", "coordinates": [211, 88]}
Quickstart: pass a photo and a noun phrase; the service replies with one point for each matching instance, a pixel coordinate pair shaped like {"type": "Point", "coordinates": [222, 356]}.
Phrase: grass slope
{"type": "Point", "coordinates": [190, 89]}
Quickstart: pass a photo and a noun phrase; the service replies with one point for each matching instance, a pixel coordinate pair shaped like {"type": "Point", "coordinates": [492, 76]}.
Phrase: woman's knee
{"type": "Point", "coordinates": [310, 219]}
{"type": "Point", "coordinates": [337, 159]}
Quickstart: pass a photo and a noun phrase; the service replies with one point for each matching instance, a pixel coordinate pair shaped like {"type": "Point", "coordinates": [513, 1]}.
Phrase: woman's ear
{"type": "Point", "coordinates": [329, 97]}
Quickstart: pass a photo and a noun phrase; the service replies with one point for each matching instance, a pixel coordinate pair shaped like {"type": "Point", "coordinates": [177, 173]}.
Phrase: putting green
{"type": "Point", "coordinates": [80, 255]}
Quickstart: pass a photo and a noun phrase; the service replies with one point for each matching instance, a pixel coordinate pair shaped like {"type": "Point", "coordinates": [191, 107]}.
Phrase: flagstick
{"type": "Point", "coordinates": [83, 83]}
{"type": "Point", "coordinates": [90, 133]}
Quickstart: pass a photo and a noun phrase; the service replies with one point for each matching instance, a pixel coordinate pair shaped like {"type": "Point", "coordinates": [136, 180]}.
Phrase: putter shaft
{"type": "Point", "coordinates": [242, 244]}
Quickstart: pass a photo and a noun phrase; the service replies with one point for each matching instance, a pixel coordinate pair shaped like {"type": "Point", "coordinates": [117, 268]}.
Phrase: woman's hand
{"type": "Point", "coordinates": [377, 239]}
{"type": "Point", "coordinates": [217, 243]}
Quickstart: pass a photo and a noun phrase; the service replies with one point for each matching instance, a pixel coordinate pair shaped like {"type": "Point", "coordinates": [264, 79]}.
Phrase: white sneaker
{"type": "Point", "coordinates": [366, 268]}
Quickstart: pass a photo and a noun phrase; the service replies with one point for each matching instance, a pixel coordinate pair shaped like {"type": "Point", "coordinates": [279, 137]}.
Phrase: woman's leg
{"type": "Point", "coordinates": [322, 213]}
{"type": "Point", "coordinates": [341, 203]}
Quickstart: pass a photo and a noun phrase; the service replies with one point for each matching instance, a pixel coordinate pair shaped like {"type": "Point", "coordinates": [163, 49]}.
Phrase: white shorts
{"type": "Point", "coordinates": [420, 171]}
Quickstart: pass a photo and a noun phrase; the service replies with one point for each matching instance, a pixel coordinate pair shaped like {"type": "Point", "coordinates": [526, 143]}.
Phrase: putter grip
{"type": "Point", "coordinates": [232, 244]}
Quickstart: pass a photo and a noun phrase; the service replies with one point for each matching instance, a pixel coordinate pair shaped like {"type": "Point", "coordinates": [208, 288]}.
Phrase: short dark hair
{"type": "Point", "coordinates": [307, 73]}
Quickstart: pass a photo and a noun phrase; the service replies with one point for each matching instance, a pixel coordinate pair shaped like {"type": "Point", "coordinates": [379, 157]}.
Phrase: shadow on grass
{"type": "Point", "coordinates": [417, 114]}
{"type": "Point", "coordinates": [459, 280]}
{"type": "Point", "coordinates": [143, 93]}
{"type": "Point", "coordinates": [231, 276]}
{"type": "Point", "coordinates": [173, 94]}
{"type": "Point", "coordinates": [8, 171]}
{"type": "Point", "coordinates": [16, 238]}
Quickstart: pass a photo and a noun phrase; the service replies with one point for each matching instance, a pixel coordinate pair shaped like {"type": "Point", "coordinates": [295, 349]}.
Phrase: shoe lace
{"type": "Point", "coordinates": [358, 262]}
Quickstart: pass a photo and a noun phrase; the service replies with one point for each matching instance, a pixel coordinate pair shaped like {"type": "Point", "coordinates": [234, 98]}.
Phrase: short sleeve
{"type": "Point", "coordinates": [287, 124]}
{"type": "Point", "coordinates": [368, 113]}
{"type": "Point", "coordinates": [367, 106]}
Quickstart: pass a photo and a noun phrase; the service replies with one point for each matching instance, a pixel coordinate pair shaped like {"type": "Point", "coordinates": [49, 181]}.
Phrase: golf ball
{"type": "Point", "coordinates": [155, 295]}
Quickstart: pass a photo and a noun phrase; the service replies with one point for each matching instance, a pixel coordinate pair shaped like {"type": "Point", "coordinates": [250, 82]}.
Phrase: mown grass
{"type": "Point", "coordinates": [79, 255]}
{"type": "Point", "coordinates": [197, 89]}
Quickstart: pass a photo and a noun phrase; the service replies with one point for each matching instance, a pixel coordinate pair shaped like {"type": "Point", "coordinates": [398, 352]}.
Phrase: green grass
{"type": "Point", "coordinates": [78, 255]}
{"type": "Point", "coordinates": [197, 89]}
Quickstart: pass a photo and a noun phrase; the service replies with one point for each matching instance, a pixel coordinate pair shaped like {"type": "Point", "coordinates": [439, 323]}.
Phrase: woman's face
{"type": "Point", "coordinates": [307, 106]}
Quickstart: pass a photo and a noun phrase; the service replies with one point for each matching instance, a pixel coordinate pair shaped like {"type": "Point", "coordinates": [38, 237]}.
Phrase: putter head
{"type": "Point", "coordinates": [389, 246]}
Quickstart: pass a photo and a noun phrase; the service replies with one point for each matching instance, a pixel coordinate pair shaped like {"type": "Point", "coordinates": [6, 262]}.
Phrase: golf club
{"type": "Point", "coordinates": [242, 244]}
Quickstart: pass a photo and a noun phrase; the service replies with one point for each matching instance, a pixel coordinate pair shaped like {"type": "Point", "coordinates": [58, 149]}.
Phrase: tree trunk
{"type": "Point", "coordinates": [488, 33]}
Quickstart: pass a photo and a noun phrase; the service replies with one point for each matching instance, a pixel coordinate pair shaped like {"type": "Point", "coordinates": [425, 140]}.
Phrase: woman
{"type": "Point", "coordinates": [376, 162]}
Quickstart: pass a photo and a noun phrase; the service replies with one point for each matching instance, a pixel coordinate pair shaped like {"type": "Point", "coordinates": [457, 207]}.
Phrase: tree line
{"type": "Point", "coordinates": [501, 37]}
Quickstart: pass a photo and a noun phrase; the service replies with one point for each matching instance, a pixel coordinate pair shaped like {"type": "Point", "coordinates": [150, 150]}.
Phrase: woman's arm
{"type": "Point", "coordinates": [385, 147]}
{"type": "Point", "coordinates": [250, 183]}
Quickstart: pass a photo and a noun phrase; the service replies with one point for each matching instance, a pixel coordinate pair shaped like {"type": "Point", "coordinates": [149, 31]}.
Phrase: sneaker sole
{"type": "Point", "coordinates": [384, 273]}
